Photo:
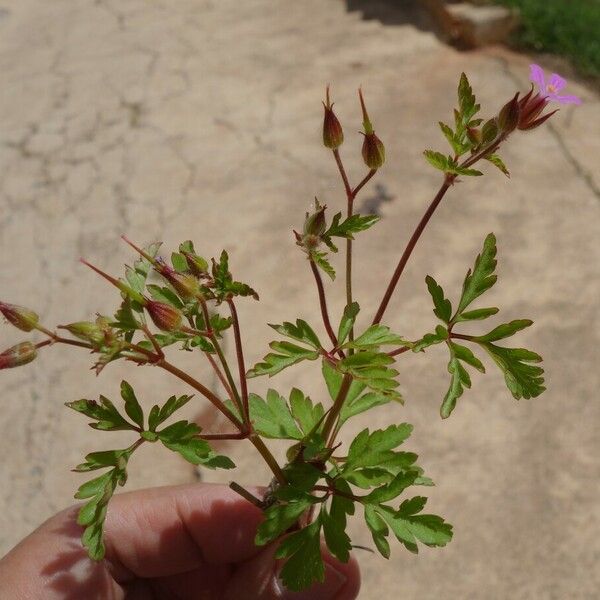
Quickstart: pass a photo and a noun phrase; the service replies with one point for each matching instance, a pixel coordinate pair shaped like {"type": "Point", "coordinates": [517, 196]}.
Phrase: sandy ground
{"type": "Point", "coordinates": [200, 119]}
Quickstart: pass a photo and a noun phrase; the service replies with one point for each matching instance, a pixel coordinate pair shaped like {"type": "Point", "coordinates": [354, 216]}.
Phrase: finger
{"type": "Point", "coordinates": [165, 531]}
{"type": "Point", "coordinates": [260, 574]}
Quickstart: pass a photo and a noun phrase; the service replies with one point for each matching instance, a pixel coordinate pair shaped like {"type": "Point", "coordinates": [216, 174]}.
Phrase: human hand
{"type": "Point", "coordinates": [185, 542]}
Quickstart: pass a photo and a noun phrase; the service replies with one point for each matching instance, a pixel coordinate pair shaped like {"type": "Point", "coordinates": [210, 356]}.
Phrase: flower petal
{"type": "Point", "coordinates": [557, 82]}
{"type": "Point", "coordinates": [537, 76]}
{"type": "Point", "coordinates": [567, 99]}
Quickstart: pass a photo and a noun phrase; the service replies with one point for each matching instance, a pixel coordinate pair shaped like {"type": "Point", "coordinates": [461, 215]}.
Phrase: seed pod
{"type": "Point", "coordinates": [508, 119]}
{"type": "Point", "coordinates": [164, 316]}
{"type": "Point", "coordinates": [18, 355]}
{"type": "Point", "coordinates": [333, 135]}
{"type": "Point", "coordinates": [22, 318]}
{"type": "Point", "coordinates": [373, 150]}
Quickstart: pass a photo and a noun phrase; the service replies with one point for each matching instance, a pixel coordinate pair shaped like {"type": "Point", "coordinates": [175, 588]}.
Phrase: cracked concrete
{"type": "Point", "coordinates": [200, 119]}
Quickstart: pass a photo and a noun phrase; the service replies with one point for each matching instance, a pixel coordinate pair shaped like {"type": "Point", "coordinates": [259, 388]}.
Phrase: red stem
{"type": "Point", "coordinates": [240, 359]}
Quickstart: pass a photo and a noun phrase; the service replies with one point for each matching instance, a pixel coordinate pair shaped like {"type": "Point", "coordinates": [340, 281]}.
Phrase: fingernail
{"type": "Point", "coordinates": [334, 582]}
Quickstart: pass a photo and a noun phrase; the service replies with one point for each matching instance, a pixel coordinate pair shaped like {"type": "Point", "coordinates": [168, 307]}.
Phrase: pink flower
{"type": "Point", "coordinates": [550, 89]}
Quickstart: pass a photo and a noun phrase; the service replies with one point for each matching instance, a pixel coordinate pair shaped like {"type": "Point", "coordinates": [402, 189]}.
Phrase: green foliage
{"type": "Point", "coordinates": [443, 307]}
{"type": "Point", "coordinates": [104, 412]}
{"type": "Point", "coordinates": [374, 337]}
{"type": "Point", "coordinates": [568, 29]}
{"type": "Point", "coordinates": [372, 369]}
{"type": "Point", "coordinates": [347, 228]}
{"type": "Point", "coordinates": [286, 353]}
{"type": "Point", "coordinates": [224, 284]}
{"type": "Point", "coordinates": [524, 380]}
{"type": "Point", "coordinates": [347, 322]}
{"type": "Point", "coordinates": [320, 259]}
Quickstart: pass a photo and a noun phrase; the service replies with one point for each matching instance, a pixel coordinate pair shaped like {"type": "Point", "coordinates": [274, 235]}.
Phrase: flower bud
{"type": "Point", "coordinates": [508, 119]}
{"type": "Point", "coordinates": [18, 355]}
{"type": "Point", "coordinates": [196, 264]}
{"type": "Point", "coordinates": [489, 131]}
{"type": "Point", "coordinates": [22, 318]}
{"type": "Point", "coordinates": [86, 330]}
{"type": "Point", "coordinates": [474, 135]}
{"type": "Point", "coordinates": [315, 223]}
{"type": "Point", "coordinates": [187, 286]}
{"type": "Point", "coordinates": [531, 107]}
{"type": "Point", "coordinates": [373, 150]}
{"type": "Point", "coordinates": [333, 135]}
{"type": "Point", "coordinates": [164, 316]}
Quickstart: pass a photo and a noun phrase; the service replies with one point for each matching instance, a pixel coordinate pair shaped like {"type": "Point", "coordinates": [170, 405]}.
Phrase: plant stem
{"type": "Point", "coordinates": [334, 413]}
{"type": "Point", "coordinates": [244, 493]}
{"type": "Point", "coordinates": [411, 246]}
{"type": "Point", "coordinates": [240, 435]}
{"type": "Point", "coordinates": [269, 458]}
{"type": "Point", "coordinates": [240, 359]}
{"type": "Point", "coordinates": [217, 402]}
{"type": "Point", "coordinates": [323, 304]}
{"type": "Point", "coordinates": [459, 336]}
{"type": "Point", "coordinates": [212, 397]}
{"type": "Point", "coordinates": [215, 342]}
{"type": "Point", "coordinates": [399, 351]}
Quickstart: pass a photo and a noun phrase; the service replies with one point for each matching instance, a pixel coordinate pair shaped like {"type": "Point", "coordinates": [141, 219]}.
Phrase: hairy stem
{"type": "Point", "coordinates": [240, 360]}
{"type": "Point", "coordinates": [223, 360]}
{"type": "Point", "coordinates": [323, 304]}
{"type": "Point", "coordinates": [334, 413]}
{"type": "Point", "coordinates": [410, 247]}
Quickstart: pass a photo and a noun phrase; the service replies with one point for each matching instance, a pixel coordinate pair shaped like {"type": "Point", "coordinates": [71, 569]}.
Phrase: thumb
{"type": "Point", "coordinates": [258, 578]}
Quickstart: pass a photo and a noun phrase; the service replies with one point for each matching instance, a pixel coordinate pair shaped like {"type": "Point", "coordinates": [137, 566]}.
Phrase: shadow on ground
{"type": "Point", "coordinates": [394, 12]}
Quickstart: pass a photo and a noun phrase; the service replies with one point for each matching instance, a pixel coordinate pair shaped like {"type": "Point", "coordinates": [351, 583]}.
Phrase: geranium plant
{"type": "Point", "coordinates": [190, 303]}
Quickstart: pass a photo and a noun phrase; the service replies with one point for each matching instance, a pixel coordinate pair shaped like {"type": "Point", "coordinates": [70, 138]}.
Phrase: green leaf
{"type": "Point", "coordinates": [524, 380]}
{"type": "Point", "coordinates": [353, 224]}
{"type": "Point", "coordinates": [466, 97]}
{"type": "Point", "coordinates": [101, 460]}
{"type": "Point", "coordinates": [438, 160]}
{"type": "Point", "coordinates": [369, 449]}
{"type": "Point", "coordinates": [357, 405]}
{"type": "Point", "coordinates": [224, 284]}
{"type": "Point", "coordinates": [179, 262]}
{"type": "Point", "coordinates": [504, 331]}
{"type": "Point", "coordinates": [301, 331]}
{"type": "Point", "coordinates": [463, 353]}
{"type": "Point", "coordinates": [286, 355]}
{"type": "Point", "coordinates": [105, 412]}
{"type": "Point", "coordinates": [272, 418]}
{"type": "Point", "coordinates": [304, 564]}
{"type": "Point", "coordinates": [334, 531]}
{"type": "Point", "coordinates": [159, 415]}
{"type": "Point", "coordinates": [279, 518]}
{"type": "Point", "coordinates": [379, 530]}
{"type": "Point", "coordinates": [124, 317]}
{"type": "Point", "coordinates": [371, 368]}
{"type": "Point", "coordinates": [393, 489]}
{"type": "Point", "coordinates": [443, 307]}
{"type": "Point", "coordinates": [457, 147]}
{"type": "Point", "coordinates": [467, 172]}
{"type": "Point", "coordinates": [409, 528]}
{"type": "Point", "coordinates": [320, 259]}
{"type": "Point", "coordinates": [482, 277]}
{"type": "Point", "coordinates": [181, 437]}
{"type": "Point", "coordinates": [304, 412]}
{"type": "Point", "coordinates": [333, 380]}
{"type": "Point", "coordinates": [164, 294]}
{"type": "Point", "coordinates": [132, 406]}
{"type": "Point", "coordinates": [460, 379]}
{"type": "Point", "coordinates": [375, 336]}
{"type": "Point", "coordinates": [477, 314]}
{"type": "Point", "coordinates": [347, 322]}
{"type": "Point", "coordinates": [499, 163]}
{"type": "Point", "coordinates": [429, 339]}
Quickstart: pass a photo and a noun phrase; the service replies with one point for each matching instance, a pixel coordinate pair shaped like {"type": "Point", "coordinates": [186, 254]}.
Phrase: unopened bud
{"type": "Point", "coordinates": [86, 330]}
{"type": "Point", "coordinates": [164, 316]}
{"type": "Point", "coordinates": [474, 135]}
{"type": "Point", "coordinates": [315, 223]}
{"type": "Point", "coordinates": [196, 264]}
{"type": "Point", "coordinates": [508, 119]}
{"type": "Point", "coordinates": [333, 135]}
{"type": "Point", "coordinates": [373, 151]}
{"type": "Point", "coordinates": [18, 355]}
{"type": "Point", "coordinates": [489, 131]}
{"type": "Point", "coordinates": [22, 318]}
{"type": "Point", "coordinates": [187, 286]}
